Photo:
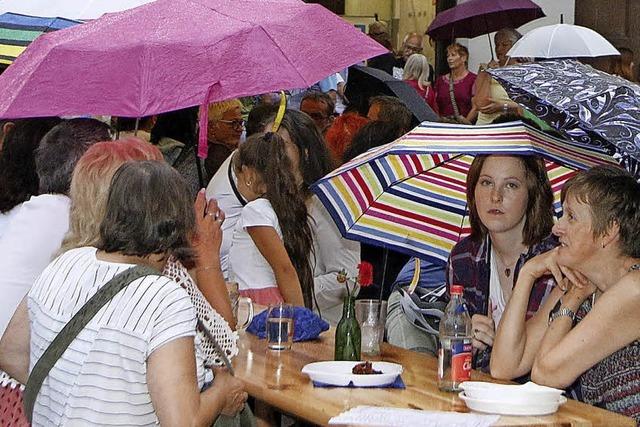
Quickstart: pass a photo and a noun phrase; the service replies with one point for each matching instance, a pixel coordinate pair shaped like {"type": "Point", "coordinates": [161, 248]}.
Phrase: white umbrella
{"type": "Point", "coordinates": [72, 9]}
{"type": "Point", "coordinates": [562, 41]}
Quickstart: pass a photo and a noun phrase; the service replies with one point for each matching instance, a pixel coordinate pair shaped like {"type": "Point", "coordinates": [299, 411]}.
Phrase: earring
{"type": "Point", "coordinates": [248, 184]}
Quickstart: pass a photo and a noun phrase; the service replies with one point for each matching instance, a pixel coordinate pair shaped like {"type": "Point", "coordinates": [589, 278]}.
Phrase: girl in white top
{"type": "Point", "coordinates": [272, 241]}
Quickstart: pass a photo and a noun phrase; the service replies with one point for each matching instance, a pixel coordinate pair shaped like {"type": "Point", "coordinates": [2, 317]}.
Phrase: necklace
{"type": "Point", "coordinates": [508, 268]}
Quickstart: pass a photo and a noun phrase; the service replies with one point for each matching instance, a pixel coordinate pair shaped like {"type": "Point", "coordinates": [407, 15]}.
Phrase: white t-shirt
{"type": "Point", "coordinates": [29, 242]}
{"type": "Point", "coordinates": [248, 267]}
{"type": "Point", "coordinates": [5, 218]}
{"type": "Point", "coordinates": [496, 296]}
{"type": "Point", "coordinates": [101, 378]}
{"type": "Point", "coordinates": [220, 188]}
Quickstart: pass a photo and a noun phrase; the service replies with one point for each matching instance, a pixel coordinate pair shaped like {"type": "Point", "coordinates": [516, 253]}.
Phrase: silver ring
{"type": "Point", "coordinates": [211, 214]}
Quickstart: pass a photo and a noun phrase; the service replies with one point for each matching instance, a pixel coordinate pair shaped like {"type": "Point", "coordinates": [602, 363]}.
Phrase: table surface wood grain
{"type": "Point", "coordinates": [275, 377]}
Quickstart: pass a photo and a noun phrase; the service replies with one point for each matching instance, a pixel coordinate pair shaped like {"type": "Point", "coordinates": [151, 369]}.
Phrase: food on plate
{"type": "Point", "coordinates": [364, 368]}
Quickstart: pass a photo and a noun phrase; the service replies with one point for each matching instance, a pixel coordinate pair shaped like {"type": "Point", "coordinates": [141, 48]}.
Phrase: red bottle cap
{"type": "Point", "coordinates": [457, 289]}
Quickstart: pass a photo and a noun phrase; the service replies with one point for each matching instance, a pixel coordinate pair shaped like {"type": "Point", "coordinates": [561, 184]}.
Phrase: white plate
{"type": "Point", "coordinates": [512, 393]}
{"type": "Point", "coordinates": [339, 373]}
{"type": "Point", "coordinates": [506, 408]}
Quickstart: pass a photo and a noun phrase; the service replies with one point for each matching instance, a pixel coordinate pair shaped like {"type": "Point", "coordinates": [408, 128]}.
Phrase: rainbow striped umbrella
{"type": "Point", "coordinates": [410, 195]}
{"type": "Point", "coordinates": [18, 31]}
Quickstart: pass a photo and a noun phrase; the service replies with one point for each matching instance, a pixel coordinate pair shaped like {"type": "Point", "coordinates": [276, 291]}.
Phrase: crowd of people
{"type": "Point", "coordinates": [82, 201]}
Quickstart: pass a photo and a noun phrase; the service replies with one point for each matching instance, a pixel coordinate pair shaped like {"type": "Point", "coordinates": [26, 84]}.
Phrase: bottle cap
{"type": "Point", "coordinates": [457, 289]}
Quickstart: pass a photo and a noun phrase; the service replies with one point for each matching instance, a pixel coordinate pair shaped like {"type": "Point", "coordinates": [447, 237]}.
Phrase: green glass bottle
{"type": "Point", "coordinates": [347, 342]}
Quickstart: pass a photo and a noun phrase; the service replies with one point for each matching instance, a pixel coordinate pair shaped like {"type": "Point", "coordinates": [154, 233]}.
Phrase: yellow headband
{"type": "Point", "coordinates": [281, 109]}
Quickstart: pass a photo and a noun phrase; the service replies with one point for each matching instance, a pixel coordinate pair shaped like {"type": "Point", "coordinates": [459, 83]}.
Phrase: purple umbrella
{"type": "Point", "coordinates": [476, 17]}
{"type": "Point", "coordinates": [172, 54]}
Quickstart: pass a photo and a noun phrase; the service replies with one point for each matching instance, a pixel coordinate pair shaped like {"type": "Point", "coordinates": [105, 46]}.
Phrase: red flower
{"type": "Point", "coordinates": [365, 274]}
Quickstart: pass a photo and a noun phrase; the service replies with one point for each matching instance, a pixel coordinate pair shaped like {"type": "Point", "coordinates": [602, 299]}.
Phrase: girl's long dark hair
{"type": "Point", "coordinates": [266, 153]}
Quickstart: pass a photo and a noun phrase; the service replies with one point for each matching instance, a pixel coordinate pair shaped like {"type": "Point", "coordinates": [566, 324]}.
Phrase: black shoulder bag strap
{"type": "Point", "coordinates": [234, 186]}
{"type": "Point", "coordinates": [71, 330]}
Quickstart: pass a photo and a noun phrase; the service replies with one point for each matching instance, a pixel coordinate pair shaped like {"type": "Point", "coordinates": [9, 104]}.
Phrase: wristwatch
{"type": "Point", "coordinates": [559, 311]}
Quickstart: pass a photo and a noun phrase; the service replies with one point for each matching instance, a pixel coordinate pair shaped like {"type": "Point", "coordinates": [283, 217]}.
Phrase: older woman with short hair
{"type": "Point", "coordinates": [89, 190]}
{"type": "Point", "coordinates": [223, 132]}
{"type": "Point", "coordinates": [454, 90]}
{"type": "Point", "coordinates": [141, 343]}
{"type": "Point", "coordinates": [598, 266]}
{"type": "Point", "coordinates": [490, 98]}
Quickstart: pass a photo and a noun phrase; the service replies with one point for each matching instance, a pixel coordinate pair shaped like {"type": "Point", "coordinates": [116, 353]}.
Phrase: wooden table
{"type": "Point", "coordinates": [275, 378]}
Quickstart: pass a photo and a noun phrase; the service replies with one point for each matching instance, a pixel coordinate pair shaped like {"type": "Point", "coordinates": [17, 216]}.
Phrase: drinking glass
{"type": "Point", "coordinates": [371, 315]}
{"type": "Point", "coordinates": [236, 299]}
{"type": "Point", "coordinates": [280, 326]}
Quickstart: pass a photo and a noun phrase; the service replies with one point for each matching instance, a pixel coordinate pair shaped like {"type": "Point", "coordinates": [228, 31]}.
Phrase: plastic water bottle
{"type": "Point", "coordinates": [454, 354]}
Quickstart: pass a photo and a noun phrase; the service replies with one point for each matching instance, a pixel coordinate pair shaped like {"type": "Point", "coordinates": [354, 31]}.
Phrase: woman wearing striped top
{"type": "Point", "coordinates": [137, 361]}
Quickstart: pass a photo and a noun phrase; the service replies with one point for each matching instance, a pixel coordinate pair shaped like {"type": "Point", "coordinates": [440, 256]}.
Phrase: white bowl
{"type": "Point", "coordinates": [529, 393]}
{"type": "Point", "coordinates": [509, 408]}
{"type": "Point", "coordinates": [339, 373]}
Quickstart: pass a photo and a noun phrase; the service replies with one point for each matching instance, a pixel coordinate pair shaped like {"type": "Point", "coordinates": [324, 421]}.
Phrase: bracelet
{"type": "Point", "coordinates": [559, 311]}
{"type": "Point", "coordinates": [505, 108]}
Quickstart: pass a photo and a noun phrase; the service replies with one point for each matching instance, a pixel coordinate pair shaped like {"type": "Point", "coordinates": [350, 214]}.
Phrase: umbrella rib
{"type": "Point", "coordinates": [399, 182]}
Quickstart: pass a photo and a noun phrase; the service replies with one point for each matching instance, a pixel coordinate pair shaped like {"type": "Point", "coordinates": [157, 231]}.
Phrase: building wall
{"type": "Point", "coordinates": [403, 16]}
{"type": "Point", "coordinates": [415, 15]}
{"type": "Point", "coordinates": [369, 8]}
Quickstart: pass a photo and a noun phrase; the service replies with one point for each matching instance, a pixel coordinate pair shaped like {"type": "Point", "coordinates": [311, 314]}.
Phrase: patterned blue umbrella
{"type": "Point", "coordinates": [587, 105]}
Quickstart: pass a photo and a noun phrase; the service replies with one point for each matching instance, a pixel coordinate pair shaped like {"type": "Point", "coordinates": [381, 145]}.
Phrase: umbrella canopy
{"type": "Point", "coordinates": [562, 41]}
{"type": "Point", "coordinates": [587, 105]}
{"type": "Point", "coordinates": [476, 17]}
{"type": "Point", "coordinates": [18, 31]}
{"type": "Point", "coordinates": [72, 9]}
{"type": "Point", "coordinates": [172, 54]}
{"type": "Point", "coordinates": [410, 195]}
{"type": "Point", "coordinates": [366, 82]}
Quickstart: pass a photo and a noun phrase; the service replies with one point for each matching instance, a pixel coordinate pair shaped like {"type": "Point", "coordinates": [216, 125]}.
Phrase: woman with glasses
{"type": "Point", "coordinates": [223, 133]}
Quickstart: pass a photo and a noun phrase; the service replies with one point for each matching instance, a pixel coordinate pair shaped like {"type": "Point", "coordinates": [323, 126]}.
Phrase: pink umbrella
{"type": "Point", "coordinates": [172, 54]}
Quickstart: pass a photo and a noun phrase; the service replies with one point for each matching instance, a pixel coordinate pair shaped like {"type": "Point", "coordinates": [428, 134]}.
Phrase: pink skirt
{"type": "Point", "coordinates": [264, 296]}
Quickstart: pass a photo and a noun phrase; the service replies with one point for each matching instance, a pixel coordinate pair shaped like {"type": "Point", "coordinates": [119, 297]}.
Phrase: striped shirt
{"type": "Point", "coordinates": [101, 377]}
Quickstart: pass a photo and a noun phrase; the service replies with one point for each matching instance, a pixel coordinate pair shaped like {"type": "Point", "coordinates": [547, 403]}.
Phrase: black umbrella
{"type": "Point", "coordinates": [366, 82]}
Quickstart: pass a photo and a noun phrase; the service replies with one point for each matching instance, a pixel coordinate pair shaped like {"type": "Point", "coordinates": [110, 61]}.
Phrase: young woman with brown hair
{"type": "Point", "coordinates": [510, 210]}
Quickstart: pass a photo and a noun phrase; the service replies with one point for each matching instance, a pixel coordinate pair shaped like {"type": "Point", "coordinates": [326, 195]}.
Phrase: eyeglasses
{"type": "Point", "coordinates": [415, 49]}
{"type": "Point", "coordinates": [377, 34]}
{"type": "Point", "coordinates": [237, 124]}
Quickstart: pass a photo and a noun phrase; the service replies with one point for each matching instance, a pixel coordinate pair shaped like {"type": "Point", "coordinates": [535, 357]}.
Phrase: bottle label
{"type": "Point", "coordinates": [460, 361]}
